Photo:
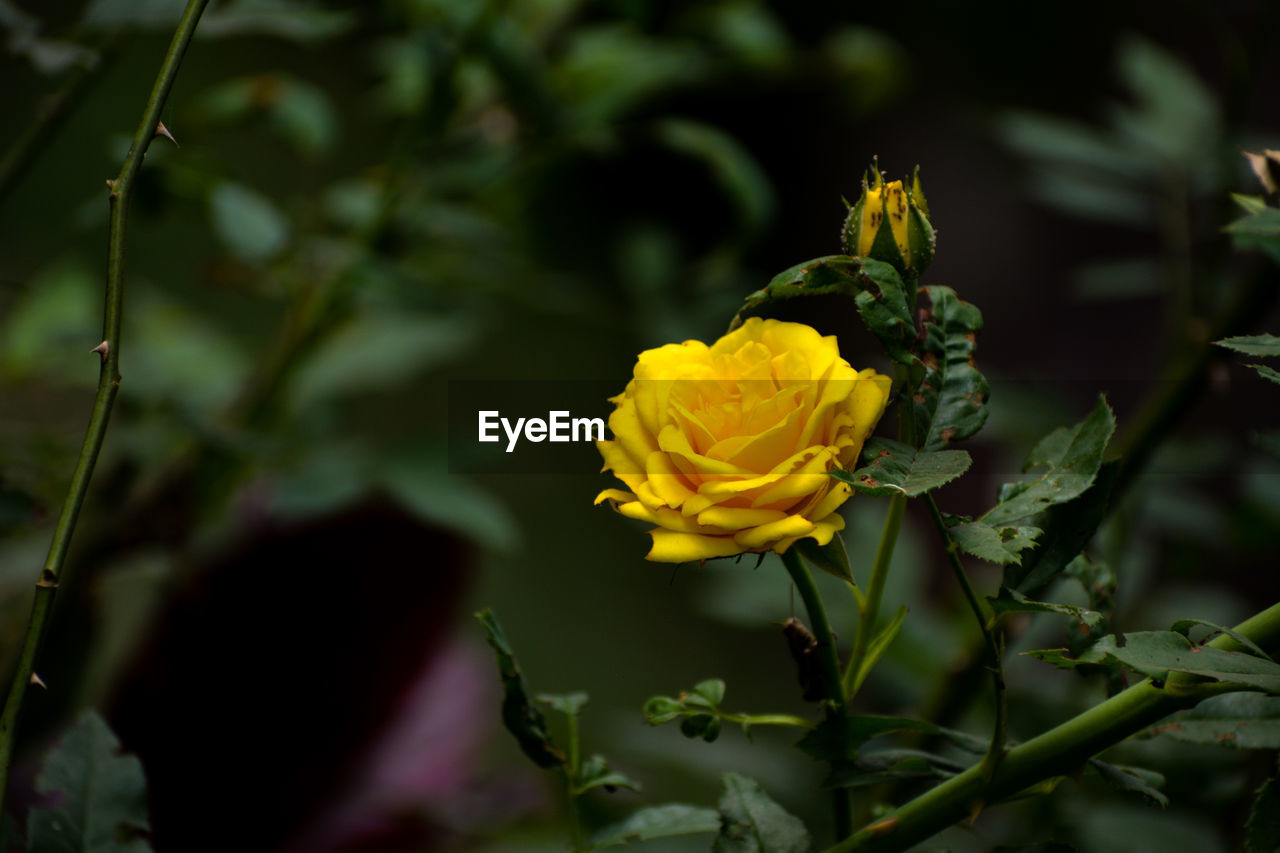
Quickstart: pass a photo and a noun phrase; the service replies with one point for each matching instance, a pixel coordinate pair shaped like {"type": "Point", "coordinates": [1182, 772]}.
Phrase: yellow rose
{"type": "Point", "coordinates": [726, 448]}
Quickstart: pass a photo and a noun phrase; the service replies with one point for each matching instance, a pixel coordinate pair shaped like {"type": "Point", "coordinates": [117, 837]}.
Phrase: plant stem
{"type": "Point", "coordinates": [108, 386]}
{"type": "Point", "coordinates": [571, 774]}
{"type": "Point", "coordinates": [996, 751]}
{"type": "Point", "coordinates": [869, 605]}
{"type": "Point", "coordinates": [829, 663]}
{"type": "Point", "coordinates": [1058, 752]}
{"type": "Point", "coordinates": [768, 720]}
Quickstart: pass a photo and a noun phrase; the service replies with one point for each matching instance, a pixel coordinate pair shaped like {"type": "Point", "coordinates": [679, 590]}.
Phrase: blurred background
{"type": "Point", "coordinates": [376, 204]}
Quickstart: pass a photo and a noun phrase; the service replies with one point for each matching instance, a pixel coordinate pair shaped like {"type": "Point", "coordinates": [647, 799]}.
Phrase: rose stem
{"type": "Point", "coordinates": [985, 623]}
{"type": "Point", "coordinates": [1057, 752]}
{"type": "Point", "coordinates": [830, 666]}
{"type": "Point", "coordinates": [108, 385]}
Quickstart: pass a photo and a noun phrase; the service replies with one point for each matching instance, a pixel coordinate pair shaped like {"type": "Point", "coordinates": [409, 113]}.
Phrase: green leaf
{"type": "Point", "coordinates": [832, 558]}
{"type": "Point", "coordinates": [879, 645]}
{"type": "Point", "coordinates": [1157, 653]}
{"type": "Point", "coordinates": [1012, 601]}
{"type": "Point", "coordinates": [1071, 457]}
{"type": "Point", "coordinates": [1003, 544]}
{"type": "Point", "coordinates": [891, 765]}
{"type": "Point", "coordinates": [376, 351]}
{"type": "Point", "coordinates": [1262, 831]}
{"type": "Point", "coordinates": [1259, 231]}
{"type": "Point", "coordinates": [1239, 720]}
{"type": "Point", "coordinates": [522, 719]}
{"type": "Point", "coordinates": [1249, 203]}
{"type": "Point", "coordinates": [101, 795]}
{"type": "Point", "coordinates": [658, 822]}
{"type": "Point", "coordinates": [247, 222]}
{"type": "Point", "coordinates": [875, 287]}
{"type": "Point", "coordinates": [1184, 626]}
{"type": "Point", "coordinates": [1266, 372]}
{"type": "Point", "coordinates": [1136, 779]}
{"type": "Point", "coordinates": [712, 690]}
{"type": "Point", "coordinates": [897, 468]}
{"type": "Point", "coordinates": [705, 726]}
{"type": "Point", "coordinates": [50, 326]}
{"type": "Point", "coordinates": [840, 739]}
{"type": "Point", "coordinates": [595, 773]}
{"type": "Point", "coordinates": [662, 709]}
{"type": "Point", "coordinates": [950, 404]}
{"type": "Point", "coordinates": [1259, 345]}
{"type": "Point", "coordinates": [751, 822]}
{"type": "Point", "coordinates": [1066, 530]}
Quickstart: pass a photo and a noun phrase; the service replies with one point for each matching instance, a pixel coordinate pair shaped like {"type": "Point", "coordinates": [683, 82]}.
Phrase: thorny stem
{"type": "Point", "coordinates": [829, 663]}
{"type": "Point", "coordinates": [996, 751]}
{"type": "Point", "coordinates": [108, 386]}
{"type": "Point", "coordinates": [1059, 751]}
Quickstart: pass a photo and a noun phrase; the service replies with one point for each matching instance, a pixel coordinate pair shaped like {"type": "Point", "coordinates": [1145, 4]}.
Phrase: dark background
{"type": "Point", "coordinates": [373, 201]}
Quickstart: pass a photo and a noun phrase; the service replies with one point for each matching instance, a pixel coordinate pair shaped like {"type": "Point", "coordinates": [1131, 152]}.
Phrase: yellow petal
{"type": "Point", "coordinates": [766, 534]}
{"type": "Point", "coordinates": [738, 518]}
{"type": "Point", "coordinates": [615, 495]}
{"type": "Point", "coordinates": [672, 547]}
{"type": "Point", "coordinates": [668, 519]}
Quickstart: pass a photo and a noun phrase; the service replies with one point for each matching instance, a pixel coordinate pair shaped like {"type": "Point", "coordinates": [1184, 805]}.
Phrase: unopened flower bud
{"type": "Point", "coordinates": [890, 223]}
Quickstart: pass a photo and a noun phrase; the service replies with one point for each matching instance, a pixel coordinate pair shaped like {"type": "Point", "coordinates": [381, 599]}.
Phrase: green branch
{"type": "Point", "coordinates": [829, 664]}
{"type": "Point", "coordinates": [1058, 752]}
{"type": "Point", "coordinates": [996, 751]}
{"type": "Point", "coordinates": [108, 386]}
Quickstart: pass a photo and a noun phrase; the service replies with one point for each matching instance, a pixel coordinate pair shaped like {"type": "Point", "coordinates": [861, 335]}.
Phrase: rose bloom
{"type": "Point", "coordinates": [726, 448]}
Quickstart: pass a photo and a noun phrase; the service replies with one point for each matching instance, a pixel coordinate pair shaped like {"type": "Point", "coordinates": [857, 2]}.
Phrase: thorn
{"type": "Point", "coordinates": [161, 130]}
{"type": "Point", "coordinates": [111, 185]}
{"type": "Point", "coordinates": [103, 349]}
{"type": "Point", "coordinates": [884, 827]}
{"type": "Point", "coordinates": [36, 679]}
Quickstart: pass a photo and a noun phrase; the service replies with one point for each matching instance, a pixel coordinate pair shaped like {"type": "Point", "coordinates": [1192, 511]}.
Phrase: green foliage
{"type": "Point", "coordinates": [657, 822]}
{"type": "Point", "coordinates": [100, 795]}
{"type": "Point", "coordinates": [1259, 345]}
{"type": "Point", "coordinates": [875, 287]}
{"type": "Point", "coordinates": [595, 773]}
{"type": "Point", "coordinates": [1237, 720]}
{"type": "Point", "coordinates": [897, 468]}
{"type": "Point", "coordinates": [994, 543]}
{"type": "Point", "coordinates": [1134, 779]}
{"type": "Point", "coordinates": [247, 222]}
{"type": "Point", "coordinates": [1262, 345]}
{"type": "Point", "coordinates": [1259, 230]}
{"type": "Point", "coordinates": [700, 709]}
{"type": "Point", "coordinates": [832, 558]}
{"type": "Point", "coordinates": [1072, 459]}
{"type": "Point", "coordinates": [841, 739]}
{"type": "Point", "coordinates": [751, 822]}
{"type": "Point", "coordinates": [950, 404]}
{"type": "Point", "coordinates": [522, 719]}
{"type": "Point", "coordinates": [1012, 601]}
{"type": "Point", "coordinates": [1156, 654]}
{"type": "Point", "coordinates": [891, 765]}
{"type": "Point", "coordinates": [879, 645]}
